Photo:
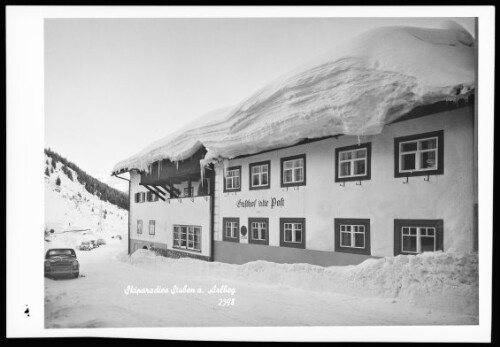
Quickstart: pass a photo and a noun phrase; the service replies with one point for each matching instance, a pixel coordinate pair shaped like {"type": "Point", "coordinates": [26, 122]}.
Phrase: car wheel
{"type": "Point", "coordinates": [76, 275]}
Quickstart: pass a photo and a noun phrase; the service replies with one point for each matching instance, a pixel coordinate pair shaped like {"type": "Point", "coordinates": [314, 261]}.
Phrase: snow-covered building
{"type": "Point", "coordinates": [367, 151]}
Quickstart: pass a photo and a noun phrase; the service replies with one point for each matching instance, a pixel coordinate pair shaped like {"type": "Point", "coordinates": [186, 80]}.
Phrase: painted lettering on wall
{"type": "Point", "coordinates": [272, 203]}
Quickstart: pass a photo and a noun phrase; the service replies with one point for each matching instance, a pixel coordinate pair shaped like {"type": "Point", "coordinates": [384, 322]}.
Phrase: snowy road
{"type": "Point", "coordinates": [100, 299]}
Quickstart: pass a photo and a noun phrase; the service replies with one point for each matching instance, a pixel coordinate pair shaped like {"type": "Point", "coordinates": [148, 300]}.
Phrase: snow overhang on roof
{"type": "Point", "coordinates": [355, 89]}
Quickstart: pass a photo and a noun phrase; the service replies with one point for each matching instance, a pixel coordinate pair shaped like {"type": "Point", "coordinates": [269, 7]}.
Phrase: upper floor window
{"type": "Point", "coordinates": [189, 191]}
{"type": "Point", "coordinates": [260, 175]}
{"type": "Point", "coordinates": [352, 235]}
{"type": "Point", "coordinates": [353, 163]}
{"type": "Point", "coordinates": [293, 171]}
{"type": "Point", "coordinates": [419, 155]}
{"type": "Point", "coordinates": [150, 196]}
{"type": "Point", "coordinates": [152, 227]}
{"type": "Point", "coordinates": [232, 179]}
{"type": "Point", "coordinates": [140, 197]}
{"type": "Point", "coordinates": [293, 232]}
{"type": "Point", "coordinates": [413, 236]}
{"type": "Point", "coordinates": [231, 229]}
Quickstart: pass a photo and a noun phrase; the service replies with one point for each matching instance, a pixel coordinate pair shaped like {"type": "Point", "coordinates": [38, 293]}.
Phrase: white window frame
{"type": "Point", "coordinates": [352, 233]}
{"type": "Point", "coordinates": [232, 179]}
{"type": "Point", "coordinates": [260, 226]}
{"type": "Point", "coordinates": [418, 236]}
{"type": "Point", "coordinates": [260, 174]}
{"type": "Point", "coordinates": [351, 162]}
{"type": "Point", "coordinates": [292, 169]}
{"type": "Point", "coordinates": [417, 153]}
{"type": "Point", "coordinates": [188, 237]}
{"type": "Point", "coordinates": [293, 229]}
{"type": "Point", "coordinates": [233, 228]}
{"type": "Point", "coordinates": [154, 227]}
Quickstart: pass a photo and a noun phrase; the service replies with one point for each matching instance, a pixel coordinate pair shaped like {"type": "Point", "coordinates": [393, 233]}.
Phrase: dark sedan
{"type": "Point", "coordinates": [61, 262]}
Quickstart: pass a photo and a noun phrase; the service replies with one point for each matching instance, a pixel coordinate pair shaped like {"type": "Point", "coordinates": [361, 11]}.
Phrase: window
{"type": "Point", "coordinates": [150, 196]}
{"type": "Point", "coordinates": [188, 191]}
{"type": "Point", "coordinates": [139, 226]}
{"type": "Point", "coordinates": [293, 232]}
{"type": "Point", "coordinates": [231, 229]}
{"type": "Point", "coordinates": [232, 179]}
{"type": "Point", "coordinates": [413, 236]}
{"type": "Point", "coordinates": [353, 163]}
{"type": "Point", "coordinates": [258, 231]}
{"type": "Point", "coordinates": [419, 155]}
{"type": "Point", "coordinates": [140, 197]}
{"type": "Point", "coordinates": [293, 171]}
{"type": "Point", "coordinates": [187, 237]}
{"type": "Point", "coordinates": [352, 235]}
{"type": "Point", "coordinates": [151, 227]}
{"type": "Point", "coordinates": [260, 175]}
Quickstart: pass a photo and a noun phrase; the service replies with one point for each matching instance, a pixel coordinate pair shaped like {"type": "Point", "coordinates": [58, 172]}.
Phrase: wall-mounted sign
{"type": "Point", "coordinates": [272, 203]}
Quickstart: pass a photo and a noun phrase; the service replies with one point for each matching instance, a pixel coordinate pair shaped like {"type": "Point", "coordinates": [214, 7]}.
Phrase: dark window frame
{"type": "Point", "coordinates": [438, 224]}
{"type": "Point", "coordinates": [283, 243]}
{"type": "Point", "coordinates": [260, 163]}
{"type": "Point", "coordinates": [293, 184]}
{"type": "Point", "coordinates": [353, 221]}
{"type": "Point", "coordinates": [227, 238]}
{"type": "Point", "coordinates": [440, 154]}
{"type": "Point", "coordinates": [250, 233]}
{"type": "Point", "coordinates": [367, 176]}
{"type": "Point", "coordinates": [238, 167]}
{"type": "Point", "coordinates": [190, 194]}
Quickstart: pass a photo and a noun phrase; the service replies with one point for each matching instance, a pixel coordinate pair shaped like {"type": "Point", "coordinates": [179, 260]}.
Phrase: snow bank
{"type": "Point", "coordinates": [354, 89]}
{"type": "Point", "coordinates": [442, 281]}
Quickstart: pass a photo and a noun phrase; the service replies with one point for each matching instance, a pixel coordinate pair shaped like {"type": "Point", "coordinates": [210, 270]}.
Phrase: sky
{"type": "Point", "coordinates": [113, 86]}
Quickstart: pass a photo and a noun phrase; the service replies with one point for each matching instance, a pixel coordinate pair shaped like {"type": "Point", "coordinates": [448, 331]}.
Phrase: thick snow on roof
{"type": "Point", "coordinates": [355, 89]}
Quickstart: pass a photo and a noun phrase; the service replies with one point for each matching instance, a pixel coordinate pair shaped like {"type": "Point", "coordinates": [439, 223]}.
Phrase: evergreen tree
{"type": "Point", "coordinates": [47, 173]}
{"type": "Point", "coordinates": [58, 181]}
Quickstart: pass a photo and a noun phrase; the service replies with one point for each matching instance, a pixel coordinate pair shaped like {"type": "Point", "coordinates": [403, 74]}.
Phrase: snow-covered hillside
{"type": "Point", "coordinates": [74, 214]}
{"type": "Point", "coordinates": [354, 89]}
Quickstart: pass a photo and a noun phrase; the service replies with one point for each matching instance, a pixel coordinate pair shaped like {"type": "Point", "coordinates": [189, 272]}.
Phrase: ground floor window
{"type": "Point", "coordinates": [259, 230]}
{"type": "Point", "coordinates": [139, 226]}
{"type": "Point", "coordinates": [231, 229]}
{"type": "Point", "coordinates": [293, 232]}
{"type": "Point", "coordinates": [414, 236]}
{"type": "Point", "coordinates": [152, 227]}
{"type": "Point", "coordinates": [187, 237]}
{"type": "Point", "coordinates": [352, 235]}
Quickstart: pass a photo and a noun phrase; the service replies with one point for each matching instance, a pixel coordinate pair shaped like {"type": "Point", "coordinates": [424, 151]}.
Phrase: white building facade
{"type": "Point", "coordinates": [331, 201]}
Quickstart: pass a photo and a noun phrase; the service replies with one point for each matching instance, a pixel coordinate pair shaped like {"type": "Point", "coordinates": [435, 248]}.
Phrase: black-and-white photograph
{"type": "Point", "coordinates": [259, 172]}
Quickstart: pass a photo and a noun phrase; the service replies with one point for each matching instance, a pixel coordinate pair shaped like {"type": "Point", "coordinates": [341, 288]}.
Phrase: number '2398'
{"type": "Point", "coordinates": [226, 302]}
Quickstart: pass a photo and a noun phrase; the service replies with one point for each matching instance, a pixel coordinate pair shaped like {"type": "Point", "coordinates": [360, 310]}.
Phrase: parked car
{"type": "Point", "coordinates": [94, 244]}
{"type": "Point", "coordinates": [61, 262]}
{"type": "Point", "coordinates": [86, 246]}
{"type": "Point", "coordinates": [119, 237]}
{"type": "Point", "coordinates": [100, 242]}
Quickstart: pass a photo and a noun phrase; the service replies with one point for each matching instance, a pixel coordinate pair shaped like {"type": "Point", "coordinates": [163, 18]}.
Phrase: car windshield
{"type": "Point", "coordinates": [60, 252]}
